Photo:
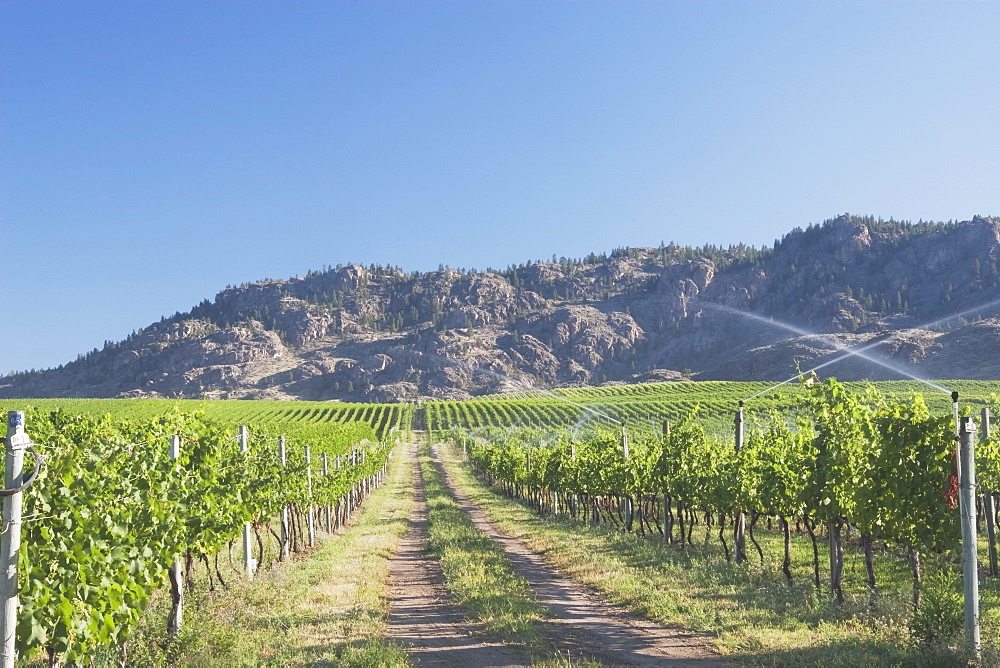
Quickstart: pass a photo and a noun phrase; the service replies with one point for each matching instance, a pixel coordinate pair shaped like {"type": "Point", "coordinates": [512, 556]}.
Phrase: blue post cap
{"type": "Point", "coordinates": [15, 419]}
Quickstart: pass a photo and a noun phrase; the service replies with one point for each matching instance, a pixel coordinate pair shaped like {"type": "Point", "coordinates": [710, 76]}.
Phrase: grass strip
{"type": "Point", "coordinates": [477, 571]}
{"type": "Point", "coordinates": [753, 613]}
{"type": "Point", "coordinates": [328, 608]}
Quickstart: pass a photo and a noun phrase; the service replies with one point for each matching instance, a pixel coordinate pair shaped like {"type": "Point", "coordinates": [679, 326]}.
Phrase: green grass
{"type": "Point", "coordinates": [328, 608]}
{"type": "Point", "coordinates": [754, 615]}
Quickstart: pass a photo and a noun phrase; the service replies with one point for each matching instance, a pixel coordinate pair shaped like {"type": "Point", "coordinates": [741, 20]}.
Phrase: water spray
{"type": "Point", "coordinates": [770, 321]}
{"type": "Point", "coordinates": [858, 352]}
{"type": "Point", "coordinates": [960, 314]}
{"type": "Point", "coordinates": [773, 387]}
{"type": "Point", "coordinates": [836, 345]}
{"type": "Point", "coordinates": [528, 387]}
{"type": "Point", "coordinates": [588, 409]}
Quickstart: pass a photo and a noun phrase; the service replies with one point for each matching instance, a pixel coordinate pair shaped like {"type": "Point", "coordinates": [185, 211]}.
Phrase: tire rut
{"type": "Point", "coordinates": [583, 624]}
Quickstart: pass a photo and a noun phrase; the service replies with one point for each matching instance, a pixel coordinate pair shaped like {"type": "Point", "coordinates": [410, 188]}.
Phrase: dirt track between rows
{"type": "Point", "coordinates": [422, 617]}
{"type": "Point", "coordinates": [582, 625]}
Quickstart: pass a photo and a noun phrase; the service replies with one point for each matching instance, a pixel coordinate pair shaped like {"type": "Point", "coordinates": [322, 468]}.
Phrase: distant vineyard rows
{"type": "Point", "coordinates": [646, 407]}
{"type": "Point", "coordinates": [641, 407]}
{"type": "Point", "coordinates": [381, 417]}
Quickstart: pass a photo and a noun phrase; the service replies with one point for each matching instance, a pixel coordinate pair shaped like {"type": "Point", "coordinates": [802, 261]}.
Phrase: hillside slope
{"type": "Point", "coordinates": [926, 291]}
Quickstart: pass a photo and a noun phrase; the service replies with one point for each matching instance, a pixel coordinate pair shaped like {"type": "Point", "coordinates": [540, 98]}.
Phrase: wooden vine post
{"type": "Point", "coordinates": [739, 528]}
{"type": "Point", "coordinates": [249, 563]}
{"type": "Point", "coordinates": [666, 497]}
{"type": "Point", "coordinates": [175, 621]}
{"type": "Point", "coordinates": [309, 481]}
{"type": "Point", "coordinates": [989, 507]}
{"type": "Point", "coordinates": [527, 463]}
{"type": "Point", "coordinates": [340, 501]}
{"type": "Point", "coordinates": [628, 497]}
{"type": "Point", "coordinates": [352, 462]}
{"type": "Point", "coordinates": [326, 472]}
{"type": "Point", "coordinates": [284, 509]}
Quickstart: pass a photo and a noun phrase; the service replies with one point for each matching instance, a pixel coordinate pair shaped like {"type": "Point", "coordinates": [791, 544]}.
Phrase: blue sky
{"type": "Point", "coordinates": [152, 152]}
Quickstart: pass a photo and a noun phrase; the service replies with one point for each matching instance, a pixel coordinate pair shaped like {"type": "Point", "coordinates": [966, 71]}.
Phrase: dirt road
{"type": "Point", "coordinates": [582, 625]}
{"type": "Point", "coordinates": [422, 618]}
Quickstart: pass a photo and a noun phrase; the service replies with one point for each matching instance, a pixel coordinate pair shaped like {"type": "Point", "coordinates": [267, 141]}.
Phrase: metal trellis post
{"type": "Point", "coordinates": [10, 543]}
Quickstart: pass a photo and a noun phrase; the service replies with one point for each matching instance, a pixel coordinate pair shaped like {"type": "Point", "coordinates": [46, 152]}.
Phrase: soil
{"type": "Point", "coordinates": [582, 626]}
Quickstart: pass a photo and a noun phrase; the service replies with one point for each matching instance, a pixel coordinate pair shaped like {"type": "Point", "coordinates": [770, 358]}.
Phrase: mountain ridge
{"type": "Point", "coordinates": [637, 314]}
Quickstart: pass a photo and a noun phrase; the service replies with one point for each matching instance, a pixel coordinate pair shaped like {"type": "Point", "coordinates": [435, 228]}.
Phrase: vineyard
{"type": "Point", "coordinates": [645, 407]}
{"type": "Point", "coordinates": [119, 498]}
{"type": "Point", "coordinates": [130, 486]}
{"type": "Point", "coordinates": [822, 462]}
{"type": "Point", "coordinates": [382, 418]}
{"type": "Point", "coordinates": [641, 407]}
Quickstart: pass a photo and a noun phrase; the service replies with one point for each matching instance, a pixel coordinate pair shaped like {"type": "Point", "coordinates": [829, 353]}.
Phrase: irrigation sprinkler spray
{"type": "Point", "coordinates": [859, 351]}
{"type": "Point", "coordinates": [833, 343]}
{"type": "Point", "coordinates": [529, 387]}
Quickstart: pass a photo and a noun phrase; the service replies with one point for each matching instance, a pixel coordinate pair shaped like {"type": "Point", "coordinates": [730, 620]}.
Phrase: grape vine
{"type": "Point", "coordinates": [111, 510]}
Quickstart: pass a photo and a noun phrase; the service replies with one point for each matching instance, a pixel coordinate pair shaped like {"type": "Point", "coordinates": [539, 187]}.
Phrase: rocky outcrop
{"type": "Point", "coordinates": [925, 296]}
{"type": "Point", "coordinates": [584, 340]}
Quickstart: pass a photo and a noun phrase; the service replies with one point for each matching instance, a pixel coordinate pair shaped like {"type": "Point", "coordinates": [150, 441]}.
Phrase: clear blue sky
{"type": "Point", "coordinates": [152, 152]}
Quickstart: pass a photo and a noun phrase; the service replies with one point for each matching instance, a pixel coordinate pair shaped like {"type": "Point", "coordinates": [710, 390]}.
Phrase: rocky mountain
{"type": "Point", "coordinates": [919, 299]}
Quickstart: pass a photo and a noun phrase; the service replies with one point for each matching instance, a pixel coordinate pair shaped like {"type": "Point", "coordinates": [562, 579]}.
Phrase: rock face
{"type": "Point", "coordinates": [926, 294]}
